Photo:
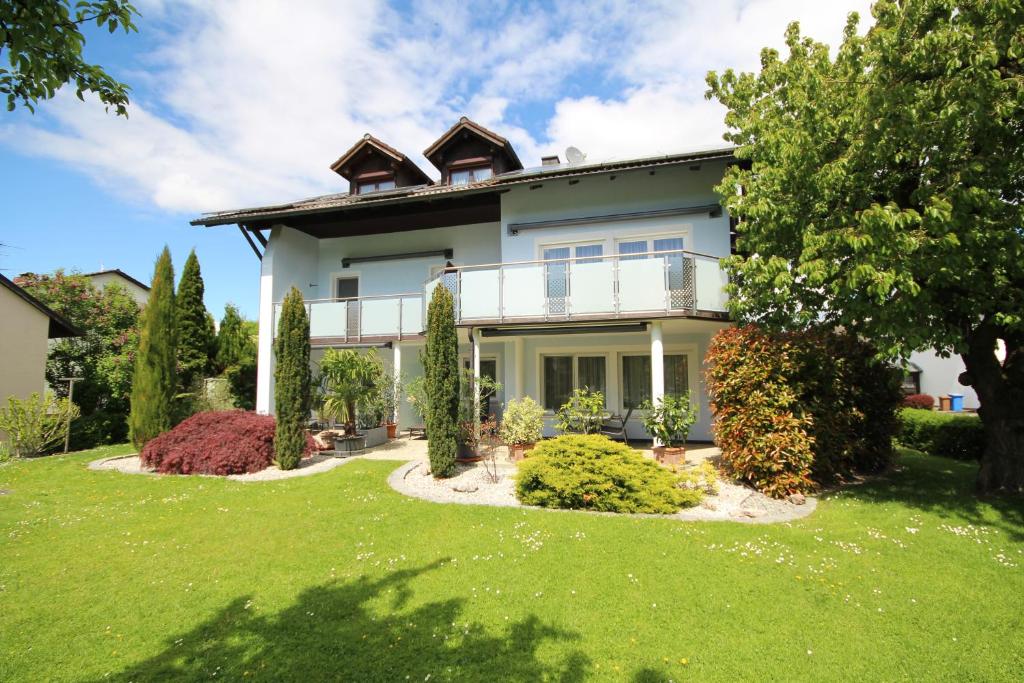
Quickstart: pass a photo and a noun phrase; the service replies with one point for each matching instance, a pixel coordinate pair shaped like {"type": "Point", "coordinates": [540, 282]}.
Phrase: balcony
{"type": "Point", "coordinates": [651, 284]}
{"type": "Point", "coordinates": [366, 319]}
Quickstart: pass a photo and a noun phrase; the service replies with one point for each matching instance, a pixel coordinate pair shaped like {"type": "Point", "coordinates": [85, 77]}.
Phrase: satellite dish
{"type": "Point", "coordinates": [574, 155]}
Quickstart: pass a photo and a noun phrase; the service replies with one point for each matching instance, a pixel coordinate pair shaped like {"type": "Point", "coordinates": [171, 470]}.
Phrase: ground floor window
{"type": "Point", "coordinates": [560, 375]}
{"type": "Point", "coordinates": [636, 378]}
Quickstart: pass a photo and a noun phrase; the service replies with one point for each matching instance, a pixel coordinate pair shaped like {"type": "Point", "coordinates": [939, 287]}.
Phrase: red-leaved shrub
{"type": "Point", "coordinates": [216, 442]}
{"type": "Point", "coordinates": [919, 401]}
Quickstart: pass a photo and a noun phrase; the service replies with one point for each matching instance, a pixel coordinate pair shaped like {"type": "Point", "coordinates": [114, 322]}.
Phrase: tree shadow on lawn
{"type": "Point", "coordinates": [944, 487]}
{"type": "Point", "coordinates": [332, 633]}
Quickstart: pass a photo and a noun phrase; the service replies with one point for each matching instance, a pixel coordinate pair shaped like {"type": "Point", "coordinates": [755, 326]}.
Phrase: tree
{"type": "Point", "coordinates": [155, 381]}
{"type": "Point", "coordinates": [104, 355]}
{"type": "Point", "coordinates": [292, 382]}
{"type": "Point", "coordinates": [196, 335]}
{"type": "Point", "coordinates": [350, 381]}
{"type": "Point", "coordinates": [236, 357]}
{"type": "Point", "coordinates": [44, 40]}
{"type": "Point", "coordinates": [441, 366]}
{"type": "Point", "coordinates": [883, 191]}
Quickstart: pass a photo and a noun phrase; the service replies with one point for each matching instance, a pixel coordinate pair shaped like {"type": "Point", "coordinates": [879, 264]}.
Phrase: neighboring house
{"type": "Point", "coordinates": [27, 326]}
{"type": "Point", "coordinates": [138, 291]}
{"type": "Point", "coordinates": [565, 275]}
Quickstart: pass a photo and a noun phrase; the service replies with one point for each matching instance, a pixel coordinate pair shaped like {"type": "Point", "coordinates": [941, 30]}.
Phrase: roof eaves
{"type": "Point", "coordinates": [120, 272]}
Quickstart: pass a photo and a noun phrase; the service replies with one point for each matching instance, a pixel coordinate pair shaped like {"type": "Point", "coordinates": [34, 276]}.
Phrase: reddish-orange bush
{"type": "Point", "coordinates": [919, 401]}
{"type": "Point", "coordinates": [216, 442]}
{"type": "Point", "coordinates": [799, 409]}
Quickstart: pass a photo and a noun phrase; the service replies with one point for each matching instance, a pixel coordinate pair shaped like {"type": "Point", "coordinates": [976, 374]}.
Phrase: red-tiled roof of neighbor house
{"type": "Point", "coordinates": [344, 201]}
{"type": "Point", "coordinates": [59, 325]}
{"type": "Point", "coordinates": [370, 141]}
{"type": "Point", "coordinates": [465, 123]}
{"type": "Point", "coordinates": [118, 271]}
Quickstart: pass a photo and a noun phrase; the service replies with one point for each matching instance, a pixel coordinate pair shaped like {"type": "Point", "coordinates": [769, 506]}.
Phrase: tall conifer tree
{"type": "Point", "coordinates": [292, 381]}
{"type": "Point", "coordinates": [442, 383]}
{"type": "Point", "coordinates": [196, 336]}
{"type": "Point", "coordinates": [155, 380]}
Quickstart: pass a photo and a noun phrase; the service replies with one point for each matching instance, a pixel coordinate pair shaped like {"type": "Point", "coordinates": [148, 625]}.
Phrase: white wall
{"type": "Point", "coordinates": [23, 347]}
{"type": "Point", "coordinates": [472, 244]}
{"type": "Point", "coordinates": [140, 294]}
{"type": "Point", "coordinates": [939, 376]}
{"type": "Point", "coordinates": [631, 191]}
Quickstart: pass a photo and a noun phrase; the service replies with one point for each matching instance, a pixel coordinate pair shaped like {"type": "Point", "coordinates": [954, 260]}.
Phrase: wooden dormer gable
{"type": "Point", "coordinates": [468, 145]}
{"type": "Point", "coordinates": [371, 164]}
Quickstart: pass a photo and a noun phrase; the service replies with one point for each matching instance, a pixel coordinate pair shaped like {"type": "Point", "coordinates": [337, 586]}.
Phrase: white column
{"type": "Point", "coordinates": [396, 367]}
{"type": "Point", "coordinates": [474, 336]}
{"type": "Point", "coordinates": [520, 368]}
{"type": "Point", "coordinates": [265, 340]}
{"type": "Point", "coordinates": [657, 367]}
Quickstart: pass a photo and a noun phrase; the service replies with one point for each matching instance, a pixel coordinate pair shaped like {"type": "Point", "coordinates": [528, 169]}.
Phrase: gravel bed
{"type": "Point", "coordinates": [131, 464]}
{"type": "Point", "coordinates": [472, 486]}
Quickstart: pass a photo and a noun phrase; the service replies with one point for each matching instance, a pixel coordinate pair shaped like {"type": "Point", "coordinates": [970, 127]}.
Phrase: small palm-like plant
{"type": "Point", "coordinates": [347, 379]}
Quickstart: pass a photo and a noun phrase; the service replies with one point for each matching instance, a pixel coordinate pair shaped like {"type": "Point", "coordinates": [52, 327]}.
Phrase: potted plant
{"type": "Point", "coordinates": [522, 426]}
{"type": "Point", "coordinates": [416, 397]}
{"type": "Point", "coordinates": [348, 380]}
{"type": "Point", "coordinates": [390, 390]}
{"type": "Point", "coordinates": [583, 413]}
{"type": "Point", "coordinates": [669, 421]}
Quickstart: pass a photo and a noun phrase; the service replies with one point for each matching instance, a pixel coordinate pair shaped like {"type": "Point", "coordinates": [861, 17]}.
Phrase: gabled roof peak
{"type": "Point", "coordinates": [467, 124]}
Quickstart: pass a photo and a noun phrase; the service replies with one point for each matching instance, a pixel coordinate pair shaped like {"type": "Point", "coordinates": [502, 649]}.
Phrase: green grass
{"type": "Point", "coordinates": [337, 577]}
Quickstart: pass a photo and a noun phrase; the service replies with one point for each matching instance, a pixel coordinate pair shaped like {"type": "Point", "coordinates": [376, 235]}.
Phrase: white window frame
{"type": "Point", "coordinates": [575, 373]}
{"type": "Point", "coordinates": [692, 378]}
{"type": "Point", "coordinates": [346, 276]}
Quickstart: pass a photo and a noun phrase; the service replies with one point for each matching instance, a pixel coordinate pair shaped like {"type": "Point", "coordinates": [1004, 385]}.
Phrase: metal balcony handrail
{"type": "Point", "coordinates": [500, 264]}
{"type": "Point", "coordinates": [406, 295]}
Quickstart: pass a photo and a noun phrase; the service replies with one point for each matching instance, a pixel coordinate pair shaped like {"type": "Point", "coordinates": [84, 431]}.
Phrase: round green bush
{"type": "Point", "coordinates": [596, 473]}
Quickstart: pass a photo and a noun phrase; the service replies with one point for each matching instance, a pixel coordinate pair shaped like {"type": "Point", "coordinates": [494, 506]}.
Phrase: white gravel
{"type": "Point", "coordinates": [130, 464]}
{"type": "Point", "coordinates": [472, 486]}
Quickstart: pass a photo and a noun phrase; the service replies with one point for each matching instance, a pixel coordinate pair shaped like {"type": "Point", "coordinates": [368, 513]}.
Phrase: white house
{"type": "Point", "coordinates": [138, 291]}
{"type": "Point", "coordinates": [568, 274]}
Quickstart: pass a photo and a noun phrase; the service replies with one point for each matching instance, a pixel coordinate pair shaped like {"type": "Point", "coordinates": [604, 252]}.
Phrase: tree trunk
{"type": "Point", "coordinates": [1000, 389]}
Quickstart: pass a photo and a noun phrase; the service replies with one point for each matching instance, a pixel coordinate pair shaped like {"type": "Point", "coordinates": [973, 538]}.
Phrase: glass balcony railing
{"type": "Point", "coordinates": [661, 283]}
{"type": "Point", "coordinates": [372, 317]}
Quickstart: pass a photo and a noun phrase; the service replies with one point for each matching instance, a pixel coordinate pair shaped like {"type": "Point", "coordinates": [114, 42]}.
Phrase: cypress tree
{"type": "Point", "coordinates": [232, 341]}
{"type": "Point", "coordinates": [292, 382]}
{"type": "Point", "coordinates": [154, 383]}
{"type": "Point", "coordinates": [195, 326]}
{"type": "Point", "coordinates": [441, 365]}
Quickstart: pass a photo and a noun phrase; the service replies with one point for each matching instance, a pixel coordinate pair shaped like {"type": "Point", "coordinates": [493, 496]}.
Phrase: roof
{"type": "Point", "coordinates": [370, 141]}
{"type": "Point", "coordinates": [468, 124]}
{"type": "Point", "coordinates": [344, 201]}
{"type": "Point", "coordinates": [118, 271]}
{"type": "Point", "coordinates": [59, 325]}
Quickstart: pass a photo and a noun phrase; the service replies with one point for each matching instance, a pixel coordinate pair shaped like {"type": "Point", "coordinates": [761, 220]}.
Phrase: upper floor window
{"type": "Point", "coordinates": [465, 176]}
{"type": "Point", "coordinates": [365, 186]}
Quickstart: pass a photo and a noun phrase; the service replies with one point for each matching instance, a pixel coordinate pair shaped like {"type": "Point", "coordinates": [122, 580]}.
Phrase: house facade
{"type": "Point", "coordinates": [136, 289]}
{"type": "Point", "coordinates": [569, 274]}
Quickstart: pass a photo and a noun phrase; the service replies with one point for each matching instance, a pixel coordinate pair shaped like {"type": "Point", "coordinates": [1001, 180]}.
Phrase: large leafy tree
{"type": "Point", "coordinates": [155, 381]}
{"type": "Point", "coordinates": [104, 355]}
{"type": "Point", "coordinates": [292, 381]}
{"type": "Point", "coordinates": [43, 42]}
{"type": "Point", "coordinates": [883, 190]}
{"type": "Point", "coordinates": [441, 365]}
{"type": "Point", "coordinates": [196, 335]}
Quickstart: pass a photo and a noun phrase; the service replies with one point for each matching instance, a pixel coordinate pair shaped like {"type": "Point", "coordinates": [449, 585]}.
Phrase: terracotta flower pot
{"type": "Point", "coordinates": [518, 451]}
{"type": "Point", "coordinates": [392, 430]}
{"type": "Point", "coordinates": [670, 455]}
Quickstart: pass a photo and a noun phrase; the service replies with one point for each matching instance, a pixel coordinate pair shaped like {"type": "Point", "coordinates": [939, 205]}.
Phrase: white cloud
{"type": "Point", "coordinates": [248, 101]}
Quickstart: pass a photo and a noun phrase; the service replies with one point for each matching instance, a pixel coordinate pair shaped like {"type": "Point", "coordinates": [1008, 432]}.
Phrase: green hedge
{"type": "Point", "coordinates": [596, 473]}
{"type": "Point", "coordinates": [952, 436]}
{"type": "Point", "coordinates": [101, 428]}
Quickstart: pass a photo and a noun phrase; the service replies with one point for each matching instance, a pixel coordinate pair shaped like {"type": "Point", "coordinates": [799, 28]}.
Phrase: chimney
{"type": "Point", "coordinates": [551, 160]}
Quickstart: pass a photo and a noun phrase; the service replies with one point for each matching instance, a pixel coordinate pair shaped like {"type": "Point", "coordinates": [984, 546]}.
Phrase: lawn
{"type": "Point", "coordinates": [107, 576]}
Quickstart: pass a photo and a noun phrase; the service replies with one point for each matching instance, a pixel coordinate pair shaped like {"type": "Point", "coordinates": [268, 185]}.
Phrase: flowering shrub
{"type": "Point", "coordinates": [216, 442]}
{"type": "Point", "coordinates": [522, 422]}
{"type": "Point", "coordinates": [796, 410]}
{"type": "Point", "coordinates": [919, 401]}
{"type": "Point", "coordinates": [595, 473]}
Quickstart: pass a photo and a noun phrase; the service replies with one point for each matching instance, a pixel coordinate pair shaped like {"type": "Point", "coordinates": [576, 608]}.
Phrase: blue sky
{"type": "Point", "coordinates": [239, 103]}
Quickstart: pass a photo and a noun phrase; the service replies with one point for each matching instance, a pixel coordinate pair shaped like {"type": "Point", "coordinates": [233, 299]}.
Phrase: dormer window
{"type": "Point", "coordinates": [473, 174]}
{"type": "Point", "coordinates": [375, 184]}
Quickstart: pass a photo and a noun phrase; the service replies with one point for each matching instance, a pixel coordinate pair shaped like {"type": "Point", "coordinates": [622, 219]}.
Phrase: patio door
{"type": "Point", "coordinates": [557, 272]}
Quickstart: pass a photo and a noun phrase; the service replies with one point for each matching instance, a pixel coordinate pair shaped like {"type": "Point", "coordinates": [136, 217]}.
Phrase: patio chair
{"type": "Point", "coordinates": [615, 427]}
